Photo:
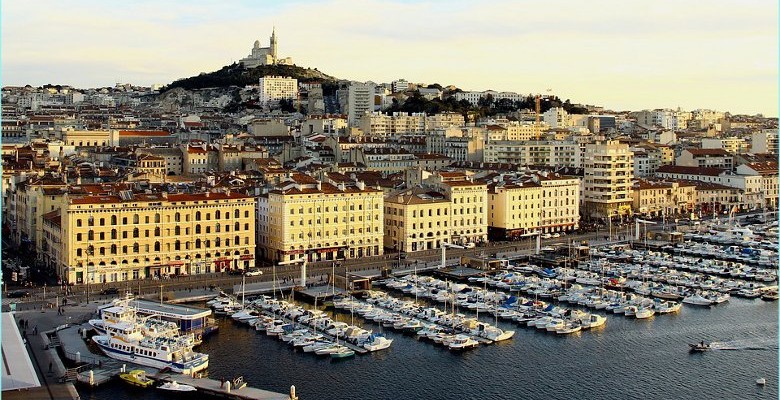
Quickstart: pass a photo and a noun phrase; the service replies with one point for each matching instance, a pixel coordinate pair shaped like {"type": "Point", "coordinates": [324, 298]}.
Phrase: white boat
{"type": "Point", "coordinates": [643, 313]}
{"type": "Point", "coordinates": [174, 353]}
{"type": "Point", "coordinates": [174, 386]}
{"type": "Point", "coordinates": [697, 300]}
{"type": "Point", "coordinates": [593, 321]}
{"type": "Point", "coordinates": [569, 327]}
{"type": "Point", "coordinates": [461, 342]}
{"type": "Point", "coordinates": [377, 343]}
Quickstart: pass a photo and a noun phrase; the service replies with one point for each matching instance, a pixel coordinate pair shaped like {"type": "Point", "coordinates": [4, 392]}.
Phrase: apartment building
{"type": "Point", "coordinates": [416, 219]}
{"type": "Point", "coordinates": [706, 158]}
{"type": "Point", "coordinates": [275, 88]}
{"type": "Point", "coordinates": [554, 153]}
{"type": "Point", "coordinates": [607, 183]}
{"type": "Point", "coordinates": [656, 198]}
{"type": "Point", "coordinates": [314, 220]}
{"type": "Point", "coordinates": [123, 236]}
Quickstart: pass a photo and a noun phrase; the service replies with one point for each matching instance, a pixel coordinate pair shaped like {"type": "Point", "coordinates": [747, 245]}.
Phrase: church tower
{"type": "Point", "coordinates": [273, 44]}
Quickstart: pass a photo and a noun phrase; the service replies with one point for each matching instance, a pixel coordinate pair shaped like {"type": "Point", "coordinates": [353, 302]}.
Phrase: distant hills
{"type": "Point", "coordinates": [236, 75]}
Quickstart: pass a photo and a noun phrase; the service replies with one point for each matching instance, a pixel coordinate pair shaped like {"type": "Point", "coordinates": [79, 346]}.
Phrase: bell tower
{"type": "Point", "coordinates": [273, 44]}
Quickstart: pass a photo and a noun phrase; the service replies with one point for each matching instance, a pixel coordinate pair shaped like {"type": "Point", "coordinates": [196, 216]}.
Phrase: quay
{"type": "Point", "coordinates": [216, 388]}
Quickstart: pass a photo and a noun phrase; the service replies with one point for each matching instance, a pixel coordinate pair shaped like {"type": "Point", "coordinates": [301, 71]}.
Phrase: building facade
{"type": "Point", "coordinates": [607, 183]}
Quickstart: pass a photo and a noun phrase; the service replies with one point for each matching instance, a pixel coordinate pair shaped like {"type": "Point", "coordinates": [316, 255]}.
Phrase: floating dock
{"type": "Point", "coordinates": [216, 388]}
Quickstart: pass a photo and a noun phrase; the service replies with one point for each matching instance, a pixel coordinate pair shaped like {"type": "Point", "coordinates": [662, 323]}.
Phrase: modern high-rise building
{"type": "Point", "coordinates": [275, 88]}
{"type": "Point", "coordinates": [360, 100]}
{"type": "Point", "coordinates": [607, 185]}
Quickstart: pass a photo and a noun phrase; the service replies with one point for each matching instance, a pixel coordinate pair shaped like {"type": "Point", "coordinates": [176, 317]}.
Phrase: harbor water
{"type": "Point", "coordinates": [627, 358]}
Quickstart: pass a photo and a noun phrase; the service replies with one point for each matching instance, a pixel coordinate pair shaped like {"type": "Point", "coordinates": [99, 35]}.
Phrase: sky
{"type": "Point", "coordinates": [623, 55]}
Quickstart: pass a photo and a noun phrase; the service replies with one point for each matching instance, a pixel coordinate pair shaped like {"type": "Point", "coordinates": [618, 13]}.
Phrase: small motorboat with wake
{"type": "Point", "coordinates": [699, 347]}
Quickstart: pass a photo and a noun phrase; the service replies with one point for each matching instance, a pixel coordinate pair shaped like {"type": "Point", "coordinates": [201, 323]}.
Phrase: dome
{"type": "Point", "coordinates": [257, 44]}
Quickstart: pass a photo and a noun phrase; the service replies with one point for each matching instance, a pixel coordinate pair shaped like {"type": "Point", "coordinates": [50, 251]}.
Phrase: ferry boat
{"type": "Point", "coordinates": [160, 352]}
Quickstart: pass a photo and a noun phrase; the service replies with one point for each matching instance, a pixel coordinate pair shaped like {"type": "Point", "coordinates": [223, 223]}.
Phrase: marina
{"type": "Point", "coordinates": [654, 286]}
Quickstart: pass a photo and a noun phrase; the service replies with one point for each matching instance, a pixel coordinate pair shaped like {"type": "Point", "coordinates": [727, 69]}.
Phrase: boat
{"type": "Point", "coordinates": [699, 347]}
{"type": "Point", "coordinates": [760, 381]}
{"type": "Point", "coordinates": [462, 342]}
{"type": "Point", "coordinates": [136, 377]}
{"type": "Point", "coordinates": [174, 352]}
{"type": "Point", "coordinates": [377, 343]}
{"type": "Point", "coordinates": [771, 296]}
{"type": "Point", "coordinates": [174, 386]}
{"type": "Point", "coordinates": [343, 352]}
{"type": "Point", "coordinates": [643, 313]}
{"type": "Point", "coordinates": [697, 300]}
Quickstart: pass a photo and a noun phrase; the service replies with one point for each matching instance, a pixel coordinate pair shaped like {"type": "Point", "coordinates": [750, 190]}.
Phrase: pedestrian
{"type": "Point", "coordinates": [221, 382]}
{"type": "Point", "coordinates": [50, 365]}
{"type": "Point", "coordinates": [35, 330]}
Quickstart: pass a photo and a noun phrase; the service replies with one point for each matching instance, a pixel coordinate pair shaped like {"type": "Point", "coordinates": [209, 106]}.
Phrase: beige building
{"type": "Point", "coordinates": [656, 198]}
{"type": "Point", "coordinates": [468, 208]}
{"type": "Point", "coordinates": [90, 138]}
{"type": "Point", "coordinates": [305, 218]}
{"type": "Point", "coordinates": [124, 236]}
{"type": "Point", "coordinates": [553, 153]}
{"type": "Point", "coordinates": [608, 175]}
{"type": "Point", "coordinates": [416, 219]}
{"type": "Point", "coordinates": [706, 158]}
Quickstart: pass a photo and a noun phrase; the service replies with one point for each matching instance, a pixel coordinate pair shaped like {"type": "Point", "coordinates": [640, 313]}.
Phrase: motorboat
{"type": "Point", "coordinates": [643, 313]}
{"type": "Point", "coordinates": [699, 347]}
{"type": "Point", "coordinates": [697, 300]}
{"type": "Point", "coordinates": [462, 342]}
{"type": "Point", "coordinates": [377, 343]}
{"type": "Point", "coordinates": [174, 386]}
{"type": "Point", "coordinates": [342, 352]}
{"type": "Point", "coordinates": [136, 377]}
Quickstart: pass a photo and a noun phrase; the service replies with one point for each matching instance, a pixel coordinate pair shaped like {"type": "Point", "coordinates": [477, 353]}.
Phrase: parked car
{"type": "Point", "coordinates": [111, 290]}
{"type": "Point", "coordinates": [469, 245]}
{"type": "Point", "coordinates": [556, 235]}
{"type": "Point", "coordinates": [253, 272]}
{"type": "Point", "coordinates": [17, 294]}
{"type": "Point", "coordinates": [546, 236]}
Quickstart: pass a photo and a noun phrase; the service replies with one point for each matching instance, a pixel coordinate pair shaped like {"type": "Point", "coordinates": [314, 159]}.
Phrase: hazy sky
{"type": "Point", "coordinates": [720, 54]}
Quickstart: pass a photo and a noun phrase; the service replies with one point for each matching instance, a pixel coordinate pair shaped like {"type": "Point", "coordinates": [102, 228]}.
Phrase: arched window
{"type": "Point", "coordinates": [157, 231]}
{"type": "Point", "coordinates": [124, 249]}
{"type": "Point", "coordinates": [91, 221]}
{"type": "Point", "coordinates": [197, 243]}
{"type": "Point", "coordinates": [113, 249]}
{"type": "Point", "coordinates": [156, 246]}
{"type": "Point", "coordinates": [216, 229]}
{"type": "Point", "coordinates": [177, 230]}
{"type": "Point", "coordinates": [91, 235]}
{"type": "Point", "coordinates": [177, 217]}
{"type": "Point", "coordinates": [217, 242]}
{"type": "Point", "coordinates": [135, 232]}
{"type": "Point", "coordinates": [177, 245]}
{"type": "Point", "coordinates": [217, 214]}
{"type": "Point", "coordinates": [197, 229]}
{"type": "Point", "coordinates": [237, 240]}
{"type": "Point", "coordinates": [227, 242]}
{"type": "Point", "coordinates": [136, 248]}
{"type": "Point", "coordinates": [236, 214]}
{"type": "Point", "coordinates": [113, 220]}
{"type": "Point", "coordinates": [113, 234]}
{"type": "Point", "coordinates": [238, 226]}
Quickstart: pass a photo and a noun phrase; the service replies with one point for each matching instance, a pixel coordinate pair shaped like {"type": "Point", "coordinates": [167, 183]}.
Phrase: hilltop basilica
{"type": "Point", "coordinates": [264, 55]}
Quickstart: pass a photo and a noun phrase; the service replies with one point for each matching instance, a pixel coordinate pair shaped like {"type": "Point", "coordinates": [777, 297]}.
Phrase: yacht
{"type": "Point", "coordinates": [377, 342]}
{"type": "Point", "coordinates": [462, 342]}
{"type": "Point", "coordinates": [697, 300]}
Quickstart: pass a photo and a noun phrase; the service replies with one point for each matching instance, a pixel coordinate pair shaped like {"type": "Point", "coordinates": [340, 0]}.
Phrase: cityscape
{"type": "Point", "coordinates": [285, 225]}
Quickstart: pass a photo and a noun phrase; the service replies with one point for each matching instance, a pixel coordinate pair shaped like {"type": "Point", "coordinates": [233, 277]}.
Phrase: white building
{"type": "Point", "coordinates": [556, 117]}
{"type": "Point", "coordinates": [275, 88]}
{"type": "Point", "coordinates": [765, 141]}
{"type": "Point", "coordinates": [607, 184]}
{"type": "Point", "coordinates": [264, 55]}
{"type": "Point", "coordinates": [360, 100]}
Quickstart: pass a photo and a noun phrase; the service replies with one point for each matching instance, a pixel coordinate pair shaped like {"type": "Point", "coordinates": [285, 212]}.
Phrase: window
{"type": "Point", "coordinates": [177, 230]}
{"type": "Point", "coordinates": [102, 222]}
{"type": "Point", "coordinates": [135, 232]}
{"type": "Point", "coordinates": [217, 214]}
{"type": "Point", "coordinates": [135, 218]}
{"type": "Point", "coordinates": [246, 214]}
{"type": "Point", "coordinates": [157, 231]}
{"type": "Point", "coordinates": [78, 237]}
{"type": "Point", "coordinates": [238, 226]}
{"type": "Point", "coordinates": [124, 220]}
{"type": "Point", "coordinates": [237, 214]}
{"type": "Point", "coordinates": [197, 216]}
{"type": "Point", "coordinates": [157, 218]}
{"type": "Point", "coordinates": [197, 243]}
{"type": "Point", "coordinates": [78, 252]}
{"type": "Point", "coordinates": [113, 234]}
{"type": "Point", "coordinates": [177, 217]}
{"type": "Point", "coordinates": [197, 229]}
{"type": "Point", "coordinates": [216, 229]}
{"type": "Point", "coordinates": [91, 235]}
{"type": "Point", "coordinates": [113, 220]}
{"type": "Point", "coordinates": [91, 221]}
{"type": "Point", "coordinates": [177, 245]}
{"type": "Point", "coordinates": [102, 236]}
{"type": "Point", "coordinates": [136, 248]}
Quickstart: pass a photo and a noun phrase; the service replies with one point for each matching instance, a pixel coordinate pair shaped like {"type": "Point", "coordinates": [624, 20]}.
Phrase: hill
{"type": "Point", "coordinates": [237, 75]}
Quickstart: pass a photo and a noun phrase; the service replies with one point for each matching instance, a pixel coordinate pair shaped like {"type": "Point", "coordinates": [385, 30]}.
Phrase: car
{"type": "Point", "coordinates": [556, 235]}
{"type": "Point", "coordinates": [469, 245]}
{"type": "Point", "coordinates": [111, 290]}
{"type": "Point", "coordinates": [17, 294]}
{"type": "Point", "coordinates": [546, 236]}
{"type": "Point", "coordinates": [253, 272]}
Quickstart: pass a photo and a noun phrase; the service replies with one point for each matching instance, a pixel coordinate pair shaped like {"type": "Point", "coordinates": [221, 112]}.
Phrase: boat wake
{"type": "Point", "coordinates": [745, 344]}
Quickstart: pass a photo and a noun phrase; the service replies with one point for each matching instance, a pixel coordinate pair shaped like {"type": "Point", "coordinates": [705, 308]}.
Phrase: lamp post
{"type": "Point", "coordinates": [87, 276]}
